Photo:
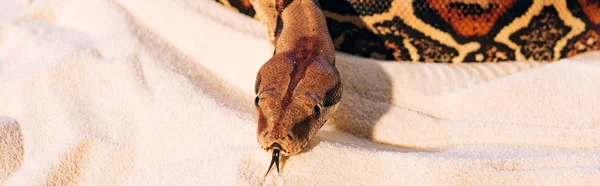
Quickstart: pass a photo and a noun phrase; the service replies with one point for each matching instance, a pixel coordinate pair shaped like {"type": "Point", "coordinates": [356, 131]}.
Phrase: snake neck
{"type": "Point", "coordinates": [300, 30]}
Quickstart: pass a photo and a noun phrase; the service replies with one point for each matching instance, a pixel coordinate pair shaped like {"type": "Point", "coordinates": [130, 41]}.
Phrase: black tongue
{"type": "Point", "coordinates": [274, 159]}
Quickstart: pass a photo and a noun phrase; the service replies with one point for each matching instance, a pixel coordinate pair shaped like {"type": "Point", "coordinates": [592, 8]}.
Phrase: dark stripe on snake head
{"type": "Point", "coordinates": [301, 59]}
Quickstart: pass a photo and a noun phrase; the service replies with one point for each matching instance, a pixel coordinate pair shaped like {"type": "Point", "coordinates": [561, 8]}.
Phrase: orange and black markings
{"type": "Point", "coordinates": [460, 30]}
{"type": "Point", "coordinates": [538, 39]}
{"type": "Point", "coordinates": [589, 11]}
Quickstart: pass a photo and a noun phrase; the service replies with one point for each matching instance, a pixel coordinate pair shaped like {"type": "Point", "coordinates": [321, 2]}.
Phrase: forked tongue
{"type": "Point", "coordinates": [274, 159]}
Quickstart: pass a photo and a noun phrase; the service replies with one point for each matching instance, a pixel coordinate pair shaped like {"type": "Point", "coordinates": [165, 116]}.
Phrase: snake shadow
{"type": "Point", "coordinates": [366, 98]}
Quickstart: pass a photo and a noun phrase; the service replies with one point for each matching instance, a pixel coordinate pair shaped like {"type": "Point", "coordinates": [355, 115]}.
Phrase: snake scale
{"type": "Point", "coordinates": [299, 87]}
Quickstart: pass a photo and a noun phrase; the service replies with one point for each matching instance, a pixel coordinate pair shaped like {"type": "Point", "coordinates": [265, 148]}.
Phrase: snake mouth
{"type": "Point", "coordinates": [278, 147]}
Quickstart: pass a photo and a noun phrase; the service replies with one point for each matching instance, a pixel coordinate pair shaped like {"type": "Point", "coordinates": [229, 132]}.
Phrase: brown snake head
{"type": "Point", "coordinates": [299, 88]}
{"type": "Point", "coordinates": [296, 94]}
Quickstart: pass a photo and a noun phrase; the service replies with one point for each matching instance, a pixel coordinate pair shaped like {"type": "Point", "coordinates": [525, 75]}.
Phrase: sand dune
{"type": "Point", "coordinates": [134, 92]}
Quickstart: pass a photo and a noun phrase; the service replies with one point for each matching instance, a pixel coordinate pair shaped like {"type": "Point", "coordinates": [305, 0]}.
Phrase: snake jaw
{"type": "Point", "coordinates": [274, 159]}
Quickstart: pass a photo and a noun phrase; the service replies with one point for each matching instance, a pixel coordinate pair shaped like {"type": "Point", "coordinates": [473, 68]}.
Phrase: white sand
{"type": "Point", "coordinates": [137, 92]}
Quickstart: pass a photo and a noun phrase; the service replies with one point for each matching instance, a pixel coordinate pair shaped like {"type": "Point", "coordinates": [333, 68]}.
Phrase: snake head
{"type": "Point", "coordinates": [296, 95]}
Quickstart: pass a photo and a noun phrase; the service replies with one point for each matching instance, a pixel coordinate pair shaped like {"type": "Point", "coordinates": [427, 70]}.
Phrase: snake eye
{"type": "Point", "coordinates": [316, 111]}
{"type": "Point", "coordinates": [256, 101]}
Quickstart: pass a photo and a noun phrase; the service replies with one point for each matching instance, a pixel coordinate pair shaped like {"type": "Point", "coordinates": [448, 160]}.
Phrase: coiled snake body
{"type": "Point", "coordinates": [299, 87]}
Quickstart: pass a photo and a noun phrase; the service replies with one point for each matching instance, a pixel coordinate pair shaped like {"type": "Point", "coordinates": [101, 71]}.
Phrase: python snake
{"type": "Point", "coordinates": [299, 87]}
